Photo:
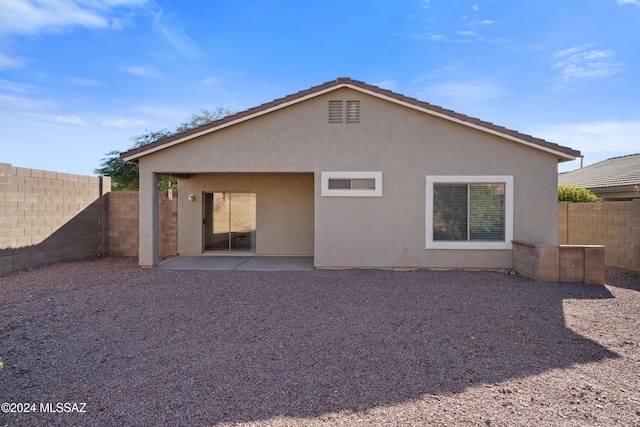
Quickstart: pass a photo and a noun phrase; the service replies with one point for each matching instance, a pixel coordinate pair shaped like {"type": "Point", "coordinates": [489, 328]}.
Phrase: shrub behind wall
{"type": "Point", "coordinates": [572, 193]}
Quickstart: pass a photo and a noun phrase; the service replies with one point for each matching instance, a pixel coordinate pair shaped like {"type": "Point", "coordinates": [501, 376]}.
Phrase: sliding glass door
{"type": "Point", "coordinates": [230, 222]}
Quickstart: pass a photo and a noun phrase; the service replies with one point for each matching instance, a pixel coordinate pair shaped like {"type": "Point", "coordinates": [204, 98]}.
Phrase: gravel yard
{"type": "Point", "coordinates": [353, 347]}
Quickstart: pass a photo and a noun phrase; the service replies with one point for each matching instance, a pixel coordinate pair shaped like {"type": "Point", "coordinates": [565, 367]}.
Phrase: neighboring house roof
{"type": "Point", "coordinates": [563, 153]}
{"type": "Point", "coordinates": [615, 172]}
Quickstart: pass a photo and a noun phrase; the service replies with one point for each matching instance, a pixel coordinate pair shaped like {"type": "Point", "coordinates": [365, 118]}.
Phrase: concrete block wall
{"type": "Point", "coordinates": [614, 225]}
{"type": "Point", "coordinates": [562, 263]}
{"type": "Point", "coordinates": [524, 259]}
{"type": "Point", "coordinates": [124, 224]}
{"type": "Point", "coordinates": [47, 217]}
{"type": "Point", "coordinates": [547, 263]}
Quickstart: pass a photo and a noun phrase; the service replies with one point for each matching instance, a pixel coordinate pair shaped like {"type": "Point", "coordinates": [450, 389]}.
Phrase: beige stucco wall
{"type": "Point", "coordinates": [404, 144]}
{"type": "Point", "coordinates": [284, 210]}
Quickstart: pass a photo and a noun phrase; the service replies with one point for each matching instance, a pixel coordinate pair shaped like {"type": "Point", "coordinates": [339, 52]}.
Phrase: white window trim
{"type": "Point", "coordinates": [327, 192]}
{"type": "Point", "coordinates": [507, 180]}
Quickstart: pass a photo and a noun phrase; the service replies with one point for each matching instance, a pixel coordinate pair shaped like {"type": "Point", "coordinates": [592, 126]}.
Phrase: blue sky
{"type": "Point", "coordinates": [79, 78]}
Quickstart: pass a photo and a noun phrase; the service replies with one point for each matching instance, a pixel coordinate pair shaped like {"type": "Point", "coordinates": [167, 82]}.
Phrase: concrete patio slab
{"type": "Point", "coordinates": [246, 263]}
{"type": "Point", "coordinates": [276, 263]}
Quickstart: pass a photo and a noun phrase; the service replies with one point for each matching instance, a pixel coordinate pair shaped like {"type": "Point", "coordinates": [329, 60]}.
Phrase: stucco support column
{"type": "Point", "coordinates": [148, 249]}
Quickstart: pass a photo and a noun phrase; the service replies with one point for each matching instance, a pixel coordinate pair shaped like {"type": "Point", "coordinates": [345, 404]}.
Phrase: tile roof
{"type": "Point", "coordinates": [358, 85]}
{"type": "Point", "coordinates": [614, 172]}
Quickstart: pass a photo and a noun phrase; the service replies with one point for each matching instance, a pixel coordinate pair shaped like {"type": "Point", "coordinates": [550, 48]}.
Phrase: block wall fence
{"type": "Point", "coordinates": [123, 225]}
{"type": "Point", "coordinates": [614, 225]}
{"type": "Point", "coordinates": [47, 217]}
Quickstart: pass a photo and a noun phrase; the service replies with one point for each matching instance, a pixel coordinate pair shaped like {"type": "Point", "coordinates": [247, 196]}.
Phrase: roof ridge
{"type": "Point", "coordinates": [605, 160]}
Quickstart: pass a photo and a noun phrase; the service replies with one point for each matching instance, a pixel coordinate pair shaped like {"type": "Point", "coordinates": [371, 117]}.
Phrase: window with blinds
{"type": "Point", "coordinates": [344, 112]}
{"type": "Point", "coordinates": [472, 212]}
{"type": "Point", "coordinates": [469, 212]}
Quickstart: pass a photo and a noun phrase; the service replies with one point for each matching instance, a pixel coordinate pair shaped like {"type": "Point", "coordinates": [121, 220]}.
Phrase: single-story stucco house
{"type": "Point", "coordinates": [355, 176]}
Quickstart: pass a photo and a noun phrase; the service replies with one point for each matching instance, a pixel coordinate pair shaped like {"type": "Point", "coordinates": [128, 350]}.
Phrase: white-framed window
{"type": "Point", "coordinates": [469, 212]}
{"type": "Point", "coordinates": [351, 184]}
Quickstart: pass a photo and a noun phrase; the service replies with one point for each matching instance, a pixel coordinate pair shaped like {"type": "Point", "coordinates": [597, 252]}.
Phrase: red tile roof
{"type": "Point", "coordinates": [133, 154]}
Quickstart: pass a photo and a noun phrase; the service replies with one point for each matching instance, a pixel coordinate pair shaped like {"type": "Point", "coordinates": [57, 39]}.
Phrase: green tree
{"type": "Point", "coordinates": [125, 176]}
{"type": "Point", "coordinates": [572, 193]}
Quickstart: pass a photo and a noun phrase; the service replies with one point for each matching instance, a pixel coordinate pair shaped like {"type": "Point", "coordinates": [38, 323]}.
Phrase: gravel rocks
{"type": "Point", "coordinates": [352, 347]}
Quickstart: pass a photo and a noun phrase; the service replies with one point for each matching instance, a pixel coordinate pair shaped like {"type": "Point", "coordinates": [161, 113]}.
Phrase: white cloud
{"type": "Point", "coordinates": [483, 22]}
{"type": "Point", "coordinates": [437, 37]}
{"type": "Point", "coordinates": [35, 16]}
{"type": "Point", "coordinates": [122, 123]}
{"type": "Point", "coordinates": [629, 2]}
{"type": "Point", "coordinates": [457, 93]}
{"type": "Point", "coordinates": [13, 87]}
{"type": "Point", "coordinates": [141, 71]}
{"type": "Point", "coordinates": [74, 120]}
{"type": "Point", "coordinates": [84, 82]}
{"type": "Point", "coordinates": [387, 84]}
{"type": "Point", "coordinates": [176, 35]}
{"type": "Point", "coordinates": [425, 4]}
{"type": "Point", "coordinates": [7, 62]}
{"type": "Point", "coordinates": [475, 7]}
{"type": "Point", "coordinates": [105, 4]}
{"type": "Point", "coordinates": [579, 63]}
{"type": "Point", "coordinates": [17, 103]}
{"type": "Point", "coordinates": [615, 137]}
{"type": "Point", "coordinates": [209, 80]}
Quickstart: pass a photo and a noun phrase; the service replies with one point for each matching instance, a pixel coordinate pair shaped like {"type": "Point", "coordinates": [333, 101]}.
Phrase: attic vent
{"type": "Point", "coordinates": [338, 114]}
{"type": "Point", "coordinates": [335, 112]}
{"type": "Point", "coordinates": [353, 112]}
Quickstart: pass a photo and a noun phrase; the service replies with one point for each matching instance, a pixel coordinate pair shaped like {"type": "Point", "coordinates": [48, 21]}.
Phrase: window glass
{"type": "Point", "coordinates": [363, 184]}
{"type": "Point", "coordinates": [468, 212]}
{"type": "Point", "coordinates": [339, 183]}
{"type": "Point", "coordinates": [450, 212]}
{"type": "Point", "coordinates": [486, 212]}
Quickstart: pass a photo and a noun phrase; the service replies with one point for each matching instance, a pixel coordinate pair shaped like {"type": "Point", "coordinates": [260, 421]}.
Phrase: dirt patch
{"type": "Point", "coordinates": [354, 347]}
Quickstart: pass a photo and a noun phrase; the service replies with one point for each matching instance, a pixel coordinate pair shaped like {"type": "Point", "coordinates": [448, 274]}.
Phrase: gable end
{"type": "Point", "coordinates": [350, 113]}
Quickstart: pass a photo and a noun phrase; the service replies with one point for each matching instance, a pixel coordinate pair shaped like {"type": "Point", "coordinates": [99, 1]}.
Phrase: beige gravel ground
{"type": "Point", "coordinates": [354, 347]}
